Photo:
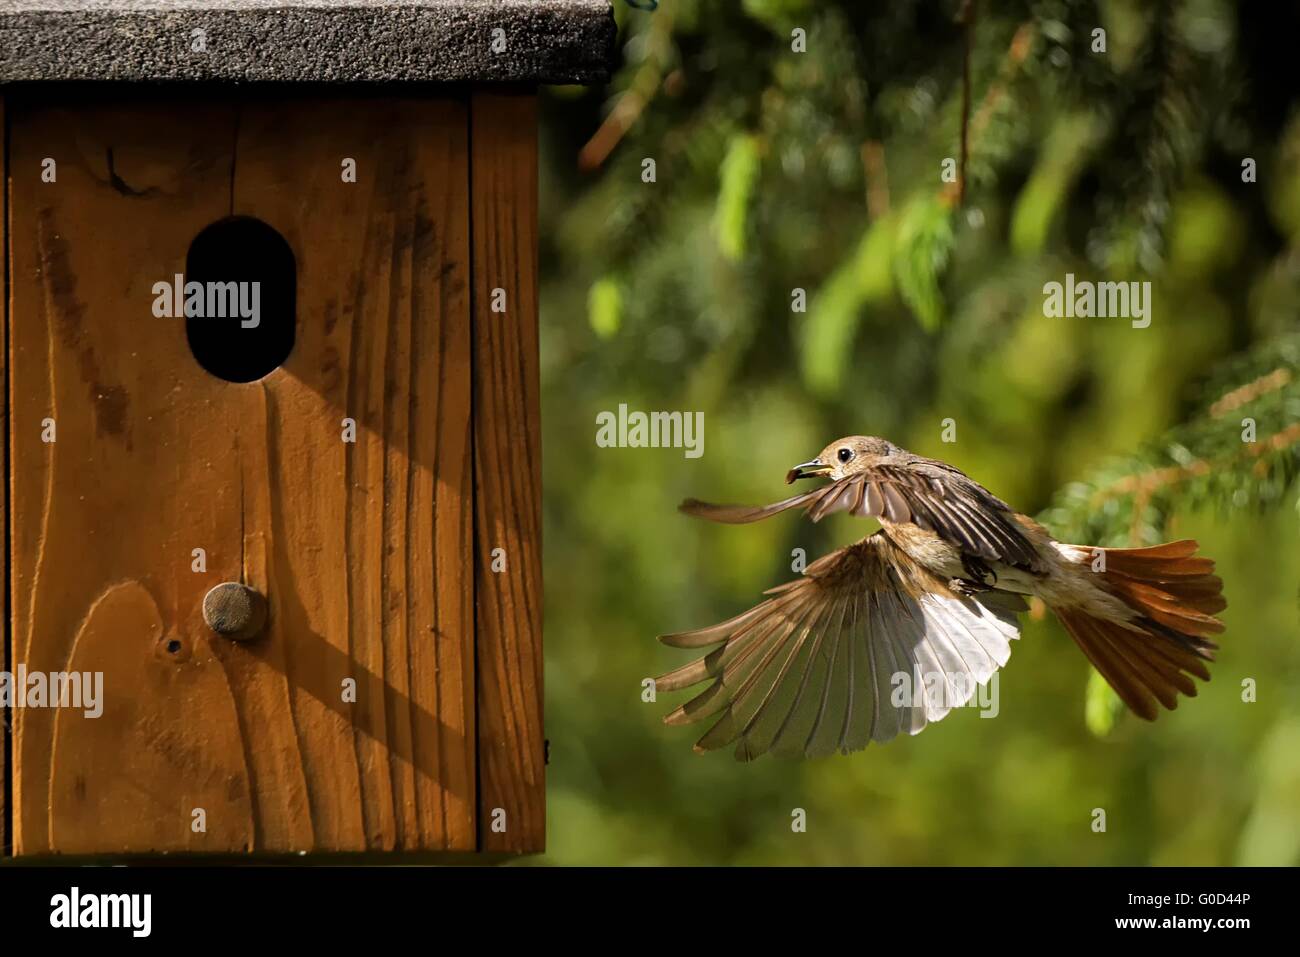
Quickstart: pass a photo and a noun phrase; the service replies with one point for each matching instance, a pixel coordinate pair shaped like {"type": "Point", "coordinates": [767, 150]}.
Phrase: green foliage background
{"type": "Point", "coordinates": [821, 171]}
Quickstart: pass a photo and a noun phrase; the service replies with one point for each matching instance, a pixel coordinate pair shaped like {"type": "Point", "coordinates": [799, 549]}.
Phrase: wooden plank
{"type": "Point", "coordinates": [102, 504]}
{"type": "Point", "coordinates": [358, 546]}
{"type": "Point", "coordinates": [507, 473]}
{"type": "Point", "coordinates": [383, 338]}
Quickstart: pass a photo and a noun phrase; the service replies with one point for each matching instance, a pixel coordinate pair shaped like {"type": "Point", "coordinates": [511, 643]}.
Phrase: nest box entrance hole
{"type": "Point", "coordinates": [239, 295]}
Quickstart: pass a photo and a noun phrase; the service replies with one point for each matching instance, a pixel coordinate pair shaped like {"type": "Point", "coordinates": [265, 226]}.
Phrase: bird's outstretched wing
{"type": "Point", "coordinates": [929, 495]}
{"type": "Point", "coordinates": [843, 656]}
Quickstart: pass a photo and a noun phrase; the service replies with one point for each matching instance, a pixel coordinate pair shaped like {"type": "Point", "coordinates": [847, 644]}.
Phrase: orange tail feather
{"type": "Point", "coordinates": [1177, 596]}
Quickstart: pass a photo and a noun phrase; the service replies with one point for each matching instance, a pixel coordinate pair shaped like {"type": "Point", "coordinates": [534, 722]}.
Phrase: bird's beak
{"type": "Point", "coordinates": [806, 470]}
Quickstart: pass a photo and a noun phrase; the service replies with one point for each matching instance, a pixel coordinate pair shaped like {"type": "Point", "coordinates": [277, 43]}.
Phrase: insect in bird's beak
{"type": "Point", "coordinates": [806, 470]}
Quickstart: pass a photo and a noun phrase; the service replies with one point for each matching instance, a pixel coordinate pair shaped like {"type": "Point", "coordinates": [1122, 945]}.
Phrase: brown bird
{"type": "Point", "coordinates": [816, 667]}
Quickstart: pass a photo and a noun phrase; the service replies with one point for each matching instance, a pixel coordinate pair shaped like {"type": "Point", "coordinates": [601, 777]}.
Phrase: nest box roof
{"type": "Point", "coordinates": [322, 41]}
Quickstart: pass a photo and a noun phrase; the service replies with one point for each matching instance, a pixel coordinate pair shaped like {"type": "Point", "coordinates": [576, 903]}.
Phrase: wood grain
{"type": "Point", "coordinates": [507, 473]}
{"type": "Point", "coordinates": [360, 547]}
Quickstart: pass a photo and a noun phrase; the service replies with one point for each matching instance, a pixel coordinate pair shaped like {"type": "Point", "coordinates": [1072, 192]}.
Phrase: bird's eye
{"type": "Point", "coordinates": [844, 454]}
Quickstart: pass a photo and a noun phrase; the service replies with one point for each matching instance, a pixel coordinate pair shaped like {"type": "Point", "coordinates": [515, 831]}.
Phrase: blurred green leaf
{"type": "Point", "coordinates": [737, 179]}
{"type": "Point", "coordinates": [777, 14]}
{"type": "Point", "coordinates": [605, 307]}
{"type": "Point", "coordinates": [833, 315]}
{"type": "Point", "coordinates": [1102, 706]}
{"type": "Point", "coordinates": [920, 254]}
{"type": "Point", "coordinates": [1045, 195]}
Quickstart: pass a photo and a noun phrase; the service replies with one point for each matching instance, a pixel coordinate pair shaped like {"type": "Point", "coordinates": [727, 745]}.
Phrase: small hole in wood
{"type": "Point", "coordinates": [240, 298]}
{"type": "Point", "coordinates": [173, 646]}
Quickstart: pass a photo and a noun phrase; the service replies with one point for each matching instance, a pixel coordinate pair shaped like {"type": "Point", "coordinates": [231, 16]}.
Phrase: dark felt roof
{"type": "Point", "coordinates": [546, 41]}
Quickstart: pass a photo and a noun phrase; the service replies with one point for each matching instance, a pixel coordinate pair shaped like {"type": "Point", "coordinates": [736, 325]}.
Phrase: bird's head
{"type": "Point", "coordinates": [844, 457]}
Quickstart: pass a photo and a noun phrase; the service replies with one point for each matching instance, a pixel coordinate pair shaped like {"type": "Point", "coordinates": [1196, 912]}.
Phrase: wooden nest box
{"type": "Point", "coordinates": [272, 416]}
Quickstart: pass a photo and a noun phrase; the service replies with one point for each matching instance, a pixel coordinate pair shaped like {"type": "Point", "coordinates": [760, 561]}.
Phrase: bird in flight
{"type": "Point", "coordinates": [818, 666]}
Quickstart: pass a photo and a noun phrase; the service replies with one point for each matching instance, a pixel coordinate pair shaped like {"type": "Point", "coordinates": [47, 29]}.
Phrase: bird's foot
{"type": "Point", "coordinates": [978, 571]}
{"type": "Point", "coordinates": [967, 586]}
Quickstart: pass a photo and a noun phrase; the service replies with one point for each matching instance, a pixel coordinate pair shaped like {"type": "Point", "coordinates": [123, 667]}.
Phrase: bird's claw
{"type": "Point", "coordinates": [979, 572]}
